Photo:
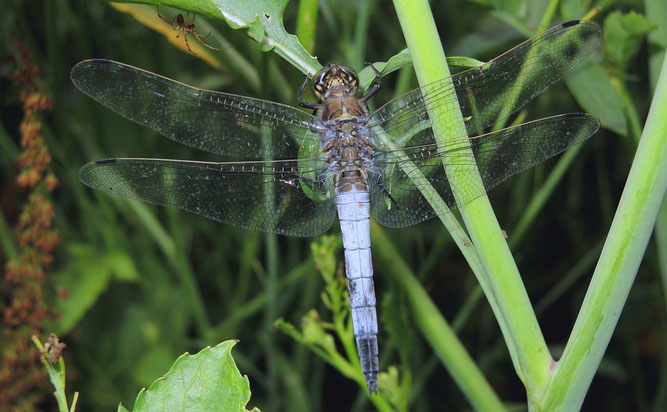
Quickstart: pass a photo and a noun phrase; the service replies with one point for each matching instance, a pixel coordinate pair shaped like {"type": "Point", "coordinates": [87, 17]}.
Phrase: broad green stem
{"type": "Point", "coordinates": [504, 288]}
{"type": "Point", "coordinates": [621, 255]}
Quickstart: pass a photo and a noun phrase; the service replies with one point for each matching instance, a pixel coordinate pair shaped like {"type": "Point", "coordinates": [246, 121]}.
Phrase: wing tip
{"type": "Point", "coordinates": [84, 172]}
{"type": "Point", "coordinates": [76, 74]}
{"type": "Point", "coordinates": [583, 115]}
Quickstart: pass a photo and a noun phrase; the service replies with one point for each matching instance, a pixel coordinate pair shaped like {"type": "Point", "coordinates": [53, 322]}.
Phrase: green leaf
{"type": "Point", "coordinates": [594, 92]}
{"type": "Point", "coordinates": [623, 34]}
{"type": "Point", "coordinates": [207, 381]}
{"type": "Point", "coordinates": [465, 62]}
{"type": "Point", "coordinates": [397, 61]}
{"type": "Point", "coordinates": [264, 21]}
{"type": "Point", "coordinates": [403, 59]}
{"type": "Point", "coordinates": [85, 278]}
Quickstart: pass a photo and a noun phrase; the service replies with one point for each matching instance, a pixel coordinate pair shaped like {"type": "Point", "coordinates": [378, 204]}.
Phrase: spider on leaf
{"type": "Point", "coordinates": [187, 27]}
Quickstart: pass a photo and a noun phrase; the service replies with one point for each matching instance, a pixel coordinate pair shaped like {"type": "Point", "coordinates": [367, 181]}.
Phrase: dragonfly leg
{"type": "Point", "coordinates": [375, 87]}
{"type": "Point", "coordinates": [299, 97]}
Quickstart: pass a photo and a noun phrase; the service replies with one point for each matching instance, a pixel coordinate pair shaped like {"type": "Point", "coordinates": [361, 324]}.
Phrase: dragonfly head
{"type": "Point", "coordinates": [335, 81]}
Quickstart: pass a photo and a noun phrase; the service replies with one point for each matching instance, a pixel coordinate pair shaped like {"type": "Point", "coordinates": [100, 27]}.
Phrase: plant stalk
{"type": "Point", "coordinates": [621, 255]}
{"type": "Point", "coordinates": [503, 286]}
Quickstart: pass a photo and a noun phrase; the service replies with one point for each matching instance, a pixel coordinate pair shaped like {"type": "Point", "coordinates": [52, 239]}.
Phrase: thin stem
{"type": "Point", "coordinates": [630, 110]}
{"type": "Point", "coordinates": [358, 46]}
{"type": "Point", "coordinates": [467, 309]}
{"type": "Point", "coordinates": [548, 15]}
{"type": "Point", "coordinates": [56, 374]}
{"type": "Point", "coordinates": [543, 194]}
{"type": "Point", "coordinates": [565, 283]}
{"type": "Point", "coordinates": [306, 23]}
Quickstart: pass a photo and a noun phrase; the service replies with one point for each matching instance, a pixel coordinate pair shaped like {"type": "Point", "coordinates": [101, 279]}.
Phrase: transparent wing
{"type": "Point", "coordinates": [292, 198]}
{"type": "Point", "coordinates": [398, 177]}
{"type": "Point", "coordinates": [220, 123]}
{"type": "Point", "coordinates": [497, 89]}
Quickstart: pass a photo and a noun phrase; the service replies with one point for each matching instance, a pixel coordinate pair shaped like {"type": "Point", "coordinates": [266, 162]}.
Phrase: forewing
{"type": "Point", "coordinates": [220, 123]}
{"type": "Point", "coordinates": [284, 197]}
{"type": "Point", "coordinates": [494, 90]}
{"type": "Point", "coordinates": [399, 177]}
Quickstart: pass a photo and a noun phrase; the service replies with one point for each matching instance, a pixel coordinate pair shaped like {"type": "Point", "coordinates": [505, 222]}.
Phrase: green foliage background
{"type": "Point", "coordinates": [147, 284]}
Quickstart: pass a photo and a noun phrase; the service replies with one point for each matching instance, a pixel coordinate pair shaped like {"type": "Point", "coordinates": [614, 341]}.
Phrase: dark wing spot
{"type": "Point", "coordinates": [570, 23]}
{"type": "Point", "coordinates": [571, 51]}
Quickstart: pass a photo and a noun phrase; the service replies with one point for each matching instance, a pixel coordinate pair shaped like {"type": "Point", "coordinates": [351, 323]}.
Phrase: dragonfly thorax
{"type": "Point", "coordinates": [343, 109]}
{"type": "Point", "coordinates": [349, 154]}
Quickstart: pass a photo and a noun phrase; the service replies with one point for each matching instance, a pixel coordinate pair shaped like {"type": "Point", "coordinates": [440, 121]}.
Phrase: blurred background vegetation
{"type": "Point", "coordinates": [129, 286]}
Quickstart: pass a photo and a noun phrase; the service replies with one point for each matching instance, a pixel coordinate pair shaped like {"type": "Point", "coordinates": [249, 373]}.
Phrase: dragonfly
{"type": "Point", "coordinates": [299, 169]}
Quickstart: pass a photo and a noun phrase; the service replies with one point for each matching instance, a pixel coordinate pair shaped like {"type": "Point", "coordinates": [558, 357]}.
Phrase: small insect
{"type": "Point", "coordinates": [186, 28]}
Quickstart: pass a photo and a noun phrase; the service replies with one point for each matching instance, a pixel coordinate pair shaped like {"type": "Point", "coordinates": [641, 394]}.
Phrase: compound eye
{"type": "Point", "coordinates": [319, 83]}
{"type": "Point", "coordinates": [351, 78]}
